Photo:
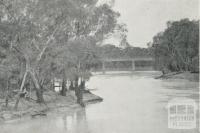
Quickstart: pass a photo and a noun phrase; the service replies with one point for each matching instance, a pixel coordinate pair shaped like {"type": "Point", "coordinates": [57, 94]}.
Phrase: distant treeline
{"type": "Point", "coordinates": [111, 51]}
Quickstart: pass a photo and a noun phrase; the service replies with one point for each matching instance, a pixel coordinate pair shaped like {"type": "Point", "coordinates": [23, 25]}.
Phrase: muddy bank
{"type": "Point", "coordinates": [180, 75]}
{"type": "Point", "coordinates": [53, 101]}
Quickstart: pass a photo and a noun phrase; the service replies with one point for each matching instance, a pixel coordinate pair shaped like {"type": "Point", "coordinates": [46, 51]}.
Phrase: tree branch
{"type": "Point", "coordinates": [48, 42]}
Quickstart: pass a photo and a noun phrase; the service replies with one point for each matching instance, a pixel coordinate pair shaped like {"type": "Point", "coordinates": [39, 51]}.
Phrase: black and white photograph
{"type": "Point", "coordinates": [99, 66]}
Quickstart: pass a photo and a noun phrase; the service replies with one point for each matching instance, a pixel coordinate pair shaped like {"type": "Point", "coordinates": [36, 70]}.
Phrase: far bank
{"type": "Point", "coordinates": [180, 75]}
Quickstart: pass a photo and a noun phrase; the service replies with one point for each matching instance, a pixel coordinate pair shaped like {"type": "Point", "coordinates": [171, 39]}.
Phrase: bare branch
{"type": "Point", "coordinates": [48, 42]}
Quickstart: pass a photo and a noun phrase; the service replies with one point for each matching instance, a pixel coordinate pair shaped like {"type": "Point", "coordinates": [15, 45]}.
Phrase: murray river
{"type": "Point", "coordinates": [133, 103]}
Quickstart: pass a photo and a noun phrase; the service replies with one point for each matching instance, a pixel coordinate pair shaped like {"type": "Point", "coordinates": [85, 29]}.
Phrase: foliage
{"type": "Point", "coordinates": [111, 51]}
{"type": "Point", "coordinates": [177, 47]}
{"type": "Point", "coordinates": [43, 39]}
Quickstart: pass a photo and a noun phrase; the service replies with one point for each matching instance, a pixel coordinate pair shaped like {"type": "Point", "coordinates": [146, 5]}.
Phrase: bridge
{"type": "Point", "coordinates": [133, 62]}
{"type": "Point", "coordinates": [128, 59]}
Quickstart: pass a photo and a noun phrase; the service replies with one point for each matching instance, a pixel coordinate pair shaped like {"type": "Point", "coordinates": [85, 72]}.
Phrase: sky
{"type": "Point", "coordinates": [145, 18]}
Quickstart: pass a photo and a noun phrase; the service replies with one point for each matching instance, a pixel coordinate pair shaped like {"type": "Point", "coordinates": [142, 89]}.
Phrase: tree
{"type": "Point", "coordinates": [177, 46]}
{"type": "Point", "coordinates": [80, 53]}
{"type": "Point", "coordinates": [39, 34]}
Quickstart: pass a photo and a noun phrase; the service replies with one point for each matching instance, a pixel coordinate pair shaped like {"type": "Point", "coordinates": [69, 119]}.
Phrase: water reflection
{"type": "Point", "coordinates": [71, 122]}
{"type": "Point", "coordinates": [76, 123]}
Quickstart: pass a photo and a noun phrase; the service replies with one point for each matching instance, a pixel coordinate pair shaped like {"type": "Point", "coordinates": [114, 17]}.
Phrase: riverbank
{"type": "Point", "coordinates": [53, 101]}
{"type": "Point", "coordinates": [180, 75]}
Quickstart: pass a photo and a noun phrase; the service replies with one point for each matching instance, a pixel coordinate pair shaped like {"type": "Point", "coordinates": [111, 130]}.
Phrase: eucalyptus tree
{"type": "Point", "coordinates": [37, 25]}
{"type": "Point", "coordinates": [42, 31]}
{"type": "Point", "coordinates": [177, 47]}
{"type": "Point", "coordinates": [91, 27]}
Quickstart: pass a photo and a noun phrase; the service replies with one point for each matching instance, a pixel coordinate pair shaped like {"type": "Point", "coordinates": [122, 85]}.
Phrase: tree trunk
{"type": "Point", "coordinates": [79, 92]}
{"type": "Point", "coordinates": [83, 85]}
{"type": "Point", "coordinates": [39, 91]}
{"type": "Point", "coordinates": [80, 95]}
{"type": "Point", "coordinates": [21, 89]}
{"type": "Point", "coordinates": [7, 91]}
{"type": "Point", "coordinates": [71, 87]}
{"type": "Point", "coordinates": [63, 91]}
{"type": "Point", "coordinates": [76, 87]}
{"type": "Point", "coordinates": [39, 94]}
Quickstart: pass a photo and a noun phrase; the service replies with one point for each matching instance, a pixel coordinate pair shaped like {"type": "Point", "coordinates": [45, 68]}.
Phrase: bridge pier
{"type": "Point", "coordinates": [133, 65]}
{"type": "Point", "coordinates": [103, 67]}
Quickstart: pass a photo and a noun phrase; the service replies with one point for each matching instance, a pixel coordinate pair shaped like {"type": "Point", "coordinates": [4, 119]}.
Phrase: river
{"type": "Point", "coordinates": [133, 103]}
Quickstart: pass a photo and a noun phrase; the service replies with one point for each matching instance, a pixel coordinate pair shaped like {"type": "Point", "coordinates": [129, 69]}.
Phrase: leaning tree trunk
{"type": "Point", "coordinates": [39, 90]}
{"type": "Point", "coordinates": [7, 91]}
{"type": "Point", "coordinates": [21, 89]}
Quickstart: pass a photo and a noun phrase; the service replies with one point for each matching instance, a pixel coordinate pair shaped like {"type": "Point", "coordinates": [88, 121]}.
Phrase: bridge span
{"type": "Point", "coordinates": [128, 59]}
{"type": "Point", "coordinates": [132, 61]}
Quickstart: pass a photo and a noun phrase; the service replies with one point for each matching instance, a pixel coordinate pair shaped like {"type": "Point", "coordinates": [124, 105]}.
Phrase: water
{"type": "Point", "coordinates": [133, 103]}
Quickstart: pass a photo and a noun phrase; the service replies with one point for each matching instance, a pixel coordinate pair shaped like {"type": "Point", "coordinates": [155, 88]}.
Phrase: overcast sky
{"type": "Point", "coordinates": [145, 18]}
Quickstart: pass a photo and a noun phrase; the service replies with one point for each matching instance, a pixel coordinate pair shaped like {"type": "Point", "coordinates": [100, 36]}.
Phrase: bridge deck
{"type": "Point", "coordinates": [129, 59]}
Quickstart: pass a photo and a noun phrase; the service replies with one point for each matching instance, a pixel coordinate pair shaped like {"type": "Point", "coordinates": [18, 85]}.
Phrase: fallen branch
{"type": "Point", "coordinates": [38, 114]}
